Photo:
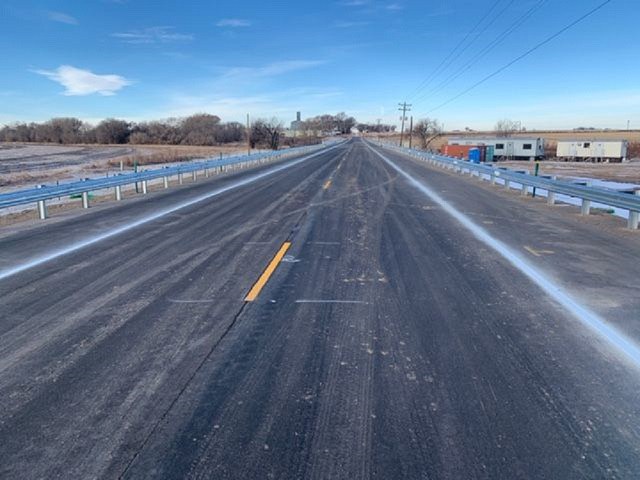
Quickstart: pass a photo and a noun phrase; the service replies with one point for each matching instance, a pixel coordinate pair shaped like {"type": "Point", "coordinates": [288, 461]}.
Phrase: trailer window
{"type": "Point", "coordinates": [587, 145]}
{"type": "Point", "coordinates": [499, 146]}
{"type": "Point", "coordinates": [527, 146]}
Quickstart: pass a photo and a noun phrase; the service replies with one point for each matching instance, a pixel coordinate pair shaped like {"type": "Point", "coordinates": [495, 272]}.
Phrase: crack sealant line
{"type": "Point", "coordinates": [8, 272]}
{"type": "Point", "coordinates": [616, 339]}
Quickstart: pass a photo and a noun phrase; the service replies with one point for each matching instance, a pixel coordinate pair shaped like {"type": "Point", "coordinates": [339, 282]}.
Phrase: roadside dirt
{"type": "Point", "coordinates": [614, 172]}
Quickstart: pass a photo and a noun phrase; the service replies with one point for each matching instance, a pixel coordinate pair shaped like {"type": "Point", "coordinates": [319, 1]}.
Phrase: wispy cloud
{"type": "Point", "coordinates": [272, 69]}
{"type": "Point", "coordinates": [354, 3]}
{"type": "Point", "coordinates": [233, 23]}
{"type": "Point", "coordinates": [281, 103]}
{"type": "Point", "coordinates": [350, 24]}
{"type": "Point", "coordinates": [152, 35]}
{"type": "Point", "coordinates": [394, 7]}
{"type": "Point", "coordinates": [62, 18]}
{"type": "Point", "coordinates": [78, 82]}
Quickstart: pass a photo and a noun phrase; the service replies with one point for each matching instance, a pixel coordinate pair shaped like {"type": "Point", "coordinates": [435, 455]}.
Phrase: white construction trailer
{"type": "Point", "coordinates": [593, 150]}
{"type": "Point", "coordinates": [507, 148]}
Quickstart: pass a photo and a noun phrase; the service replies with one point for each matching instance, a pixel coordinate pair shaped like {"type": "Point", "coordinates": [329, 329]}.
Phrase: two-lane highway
{"type": "Point", "coordinates": [386, 342]}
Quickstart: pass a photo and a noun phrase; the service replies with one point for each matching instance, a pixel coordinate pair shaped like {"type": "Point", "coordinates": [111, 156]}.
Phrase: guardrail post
{"type": "Point", "coordinates": [144, 187]}
{"type": "Point", "coordinates": [206, 173]}
{"type": "Point", "coordinates": [525, 190]}
{"type": "Point", "coordinates": [194, 175]}
{"type": "Point", "coordinates": [507, 183]}
{"type": "Point", "coordinates": [180, 178]}
{"type": "Point", "coordinates": [165, 181]}
{"type": "Point", "coordinates": [551, 196]}
{"type": "Point", "coordinates": [585, 209]}
{"type": "Point", "coordinates": [632, 223]}
{"type": "Point", "coordinates": [42, 207]}
{"type": "Point", "coordinates": [118, 193]}
{"type": "Point", "coordinates": [85, 199]}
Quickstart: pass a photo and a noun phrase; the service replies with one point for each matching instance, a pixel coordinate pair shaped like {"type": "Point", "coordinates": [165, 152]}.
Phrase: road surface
{"type": "Point", "coordinates": [388, 342]}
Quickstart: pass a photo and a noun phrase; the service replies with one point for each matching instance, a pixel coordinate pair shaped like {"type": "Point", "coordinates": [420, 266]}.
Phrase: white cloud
{"type": "Point", "coordinates": [233, 23]}
{"type": "Point", "coordinates": [62, 18]}
{"type": "Point", "coordinates": [394, 7]}
{"type": "Point", "coordinates": [152, 35]}
{"type": "Point", "coordinates": [78, 82]}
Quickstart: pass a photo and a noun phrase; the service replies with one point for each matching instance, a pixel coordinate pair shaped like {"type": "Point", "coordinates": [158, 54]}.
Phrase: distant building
{"type": "Point", "coordinates": [593, 150]}
{"type": "Point", "coordinates": [296, 125]}
{"type": "Point", "coordinates": [507, 148]}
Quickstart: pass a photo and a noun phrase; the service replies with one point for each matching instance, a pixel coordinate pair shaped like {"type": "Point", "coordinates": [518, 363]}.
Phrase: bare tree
{"type": "Point", "coordinates": [427, 130]}
{"type": "Point", "coordinates": [344, 123]}
{"type": "Point", "coordinates": [200, 129]}
{"type": "Point", "coordinates": [112, 131]}
{"type": "Point", "coordinates": [506, 128]}
{"type": "Point", "coordinates": [267, 133]}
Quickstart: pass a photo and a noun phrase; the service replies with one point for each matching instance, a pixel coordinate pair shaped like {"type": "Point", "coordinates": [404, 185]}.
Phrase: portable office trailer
{"type": "Point", "coordinates": [593, 150]}
{"type": "Point", "coordinates": [508, 148]}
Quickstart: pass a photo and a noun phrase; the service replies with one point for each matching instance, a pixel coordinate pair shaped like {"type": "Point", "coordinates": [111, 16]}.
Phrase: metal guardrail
{"type": "Point", "coordinates": [618, 199]}
{"type": "Point", "coordinates": [42, 193]}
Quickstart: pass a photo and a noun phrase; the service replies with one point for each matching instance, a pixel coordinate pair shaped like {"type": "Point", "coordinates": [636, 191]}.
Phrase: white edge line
{"type": "Point", "coordinates": [614, 337]}
{"type": "Point", "coordinates": [129, 226]}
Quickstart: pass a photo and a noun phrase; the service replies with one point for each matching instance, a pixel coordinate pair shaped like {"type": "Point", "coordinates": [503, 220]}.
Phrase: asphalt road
{"type": "Point", "coordinates": [389, 342]}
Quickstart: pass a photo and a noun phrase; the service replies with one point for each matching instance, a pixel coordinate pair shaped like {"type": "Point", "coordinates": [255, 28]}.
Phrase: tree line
{"type": "Point", "coordinates": [199, 129]}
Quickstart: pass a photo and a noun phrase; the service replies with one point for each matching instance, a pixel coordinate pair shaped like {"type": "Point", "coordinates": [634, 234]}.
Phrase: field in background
{"type": "Point", "coordinates": [25, 165]}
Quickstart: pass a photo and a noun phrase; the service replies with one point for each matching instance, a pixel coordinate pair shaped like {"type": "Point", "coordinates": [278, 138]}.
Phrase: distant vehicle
{"type": "Point", "coordinates": [507, 148]}
{"type": "Point", "coordinates": [593, 150]}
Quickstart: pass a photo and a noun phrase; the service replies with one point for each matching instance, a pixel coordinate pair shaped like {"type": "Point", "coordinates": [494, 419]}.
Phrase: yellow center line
{"type": "Point", "coordinates": [538, 253]}
{"type": "Point", "coordinates": [266, 275]}
{"type": "Point", "coordinates": [327, 185]}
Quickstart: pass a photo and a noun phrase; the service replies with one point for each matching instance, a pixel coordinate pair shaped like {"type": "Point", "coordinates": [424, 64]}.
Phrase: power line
{"type": "Point", "coordinates": [469, 44]}
{"type": "Point", "coordinates": [488, 48]}
{"type": "Point", "coordinates": [525, 54]}
{"type": "Point", "coordinates": [442, 65]}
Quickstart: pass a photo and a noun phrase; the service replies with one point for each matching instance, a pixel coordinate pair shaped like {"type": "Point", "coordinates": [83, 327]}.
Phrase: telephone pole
{"type": "Point", "coordinates": [248, 136]}
{"type": "Point", "coordinates": [411, 133]}
{"type": "Point", "coordinates": [404, 108]}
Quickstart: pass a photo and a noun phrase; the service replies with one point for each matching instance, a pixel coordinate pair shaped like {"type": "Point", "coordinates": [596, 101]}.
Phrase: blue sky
{"type": "Point", "coordinates": [143, 59]}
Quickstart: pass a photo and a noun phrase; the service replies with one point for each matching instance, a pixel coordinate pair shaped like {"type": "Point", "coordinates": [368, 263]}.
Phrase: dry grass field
{"type": "Point", "coordinates": [24, 165]}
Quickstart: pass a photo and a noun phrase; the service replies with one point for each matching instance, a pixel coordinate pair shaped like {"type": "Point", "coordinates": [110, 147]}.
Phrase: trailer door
{"type": "Point", "coordinates": [599, 150]}
{"type": "Point", "coordinates": [510, 150]}
{"type": "Point", "coordinates": [573, 150]}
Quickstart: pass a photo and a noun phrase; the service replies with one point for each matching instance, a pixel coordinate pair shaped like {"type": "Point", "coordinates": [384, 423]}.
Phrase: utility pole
{"type": "Point", "coordinates": [404, 108]}
{"type": "Point", "coordinates": [411, 133]}
{"type": "Point", "coordinates": [248, 136]}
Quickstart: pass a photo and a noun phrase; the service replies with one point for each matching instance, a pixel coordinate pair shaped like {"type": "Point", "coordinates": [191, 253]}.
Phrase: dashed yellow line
{"type": "Point", "coordinates": [538, 253]}
{"type": "Point", "coordinates": [327, 185]}
{"type": "Point", "coordinates": [266, 275]}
